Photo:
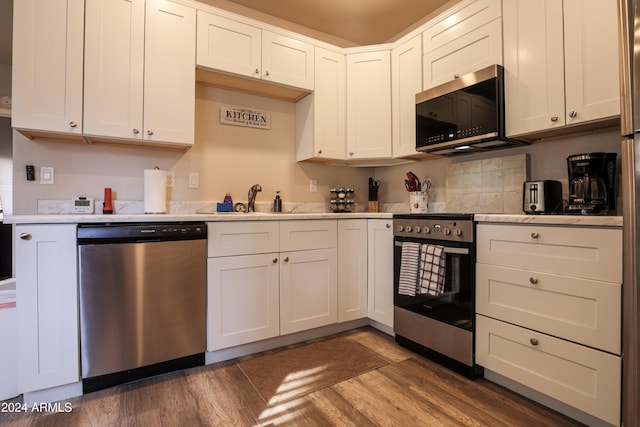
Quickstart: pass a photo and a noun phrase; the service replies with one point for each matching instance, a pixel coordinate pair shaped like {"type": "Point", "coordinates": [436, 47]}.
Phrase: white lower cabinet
{"type": "Point", "coordinates": [380, 271]}
{"type": "Point", "coordinates": [308, 289]}
{"type": "Point", "coordinates": [47, 306]}
{"type": "Point", "coordinates": [549, 309]}
{"type": "Point", "coordinates": [582, 377]}
{"type": "Point", "coordinates": [243, 300]}
{"type": "Point", "coordinates": [352, 269]}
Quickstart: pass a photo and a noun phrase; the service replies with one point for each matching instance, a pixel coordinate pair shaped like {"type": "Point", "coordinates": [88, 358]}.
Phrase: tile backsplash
{"type": "Point", "coordinates": [487, 186]}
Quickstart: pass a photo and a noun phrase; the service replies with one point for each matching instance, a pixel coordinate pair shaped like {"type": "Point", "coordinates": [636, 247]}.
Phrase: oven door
{"type": "Point", "coordinates": [455, 305]}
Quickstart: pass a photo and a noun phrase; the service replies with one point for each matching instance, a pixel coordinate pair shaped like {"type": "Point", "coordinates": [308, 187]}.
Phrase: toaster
{"type": "Point", "coordinates": [542, 197]}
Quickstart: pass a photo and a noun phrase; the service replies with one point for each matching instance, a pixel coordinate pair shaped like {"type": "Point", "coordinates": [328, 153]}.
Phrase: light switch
{"type": "Point", "coordinates": [194, 180]}
{"type": "Point", "coordinates": [46, 175]}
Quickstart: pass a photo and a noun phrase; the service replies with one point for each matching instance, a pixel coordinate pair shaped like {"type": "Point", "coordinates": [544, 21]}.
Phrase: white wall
{"type": "Point", "coordinates": [229, 159]}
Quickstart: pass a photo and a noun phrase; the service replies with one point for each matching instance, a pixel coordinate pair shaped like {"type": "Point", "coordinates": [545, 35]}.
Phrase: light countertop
{"type": "Point", "coordinates": [574, 220]}
{"type": "Point", "coordinates": [258, 216]}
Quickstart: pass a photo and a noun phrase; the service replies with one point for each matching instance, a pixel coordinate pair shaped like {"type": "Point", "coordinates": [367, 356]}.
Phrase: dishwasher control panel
{"type": "Point", "coordinates": [133, 232]}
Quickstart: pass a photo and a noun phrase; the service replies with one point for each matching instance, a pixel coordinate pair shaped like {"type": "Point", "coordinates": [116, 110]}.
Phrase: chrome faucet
{"type": "Point", "coordinates": [253, 192]}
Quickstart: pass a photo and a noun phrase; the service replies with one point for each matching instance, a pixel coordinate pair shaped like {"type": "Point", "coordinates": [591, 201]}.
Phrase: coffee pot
{"type": "Point", "coordinates": [591, 184]}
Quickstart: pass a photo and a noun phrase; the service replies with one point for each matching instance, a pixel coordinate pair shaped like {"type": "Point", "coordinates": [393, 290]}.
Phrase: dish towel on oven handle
{"type": "Point", "coordinates": [409, 265]}
{"type": "Point", "coordinates": [432, 270]}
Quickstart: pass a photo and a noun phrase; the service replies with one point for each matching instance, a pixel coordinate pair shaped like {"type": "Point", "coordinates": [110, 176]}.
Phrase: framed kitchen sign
{"type": "Point", "coordinates": [243, 117]}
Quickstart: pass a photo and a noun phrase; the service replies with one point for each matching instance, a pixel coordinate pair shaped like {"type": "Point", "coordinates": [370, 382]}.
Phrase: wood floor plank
{"type": "Point", "coordinates": [409, 391]}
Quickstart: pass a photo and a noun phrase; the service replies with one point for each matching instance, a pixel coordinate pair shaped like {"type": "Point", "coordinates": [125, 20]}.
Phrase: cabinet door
{"type": "Point", "coordinates": [380, 271]}
{"type": "Point", "coordinates": [591, 60]}
{"type": "Point", "coordinates": [534, 65]}
{"type": "Point", "coordinates": [114, 68]}
{"type": "Point", "coordinates": [406, 75]}
{"type": "Point", "coordinates": [169, 76]}
{"type": "Point", "coordinates": [308, 289]}
{"type": "Point", "coordinates": [243, 300]}
{"type": "Point", "coordinates": [579, 376]}
{"type": "Point", "coordinates": [321, 116]}
{"type": "Point", "coordinates": [352, 269]}
{"type": "Point", "coordinates": [369, 105]}
{"type": "Point", "coordinates": [227, 45]}
{"type": "Point", "coordinates": [287, 61]}
{"type": "Point", "coordinates": [47, 306]}
{"type": "Point", "coordinates": [471, 52]}
{"type": "Point", "coordinates": [48, 41]}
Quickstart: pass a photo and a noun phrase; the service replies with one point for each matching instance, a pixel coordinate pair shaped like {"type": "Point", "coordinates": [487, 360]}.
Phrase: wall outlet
{"type": "Point", "coordinates": [46, 175]}
{"type": "Point", "coordinates": [171, 179]}
{"type": "Point", "coordinates": [194, 180]}
{"type": "Point", "coordinates": [313, 186]}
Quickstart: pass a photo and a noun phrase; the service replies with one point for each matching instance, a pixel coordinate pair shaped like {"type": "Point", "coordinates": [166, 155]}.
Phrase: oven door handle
{"type": "Point", "coordinates": [447, 250]}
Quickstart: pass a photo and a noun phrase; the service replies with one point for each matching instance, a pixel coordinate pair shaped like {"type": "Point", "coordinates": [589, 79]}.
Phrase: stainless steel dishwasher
{"type": "Point", "coordinates": [142, 300]}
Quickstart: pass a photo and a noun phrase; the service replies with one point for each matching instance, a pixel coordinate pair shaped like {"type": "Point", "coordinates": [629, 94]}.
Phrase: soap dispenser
{"type": "Point", "coordinates": [277, 203]}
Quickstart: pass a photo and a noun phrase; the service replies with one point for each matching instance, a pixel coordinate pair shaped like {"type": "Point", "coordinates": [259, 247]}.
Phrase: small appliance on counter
{"type": "Point", "coordinates": [542, 197]}
{"type": "Point", "coordinates": [592, 184]}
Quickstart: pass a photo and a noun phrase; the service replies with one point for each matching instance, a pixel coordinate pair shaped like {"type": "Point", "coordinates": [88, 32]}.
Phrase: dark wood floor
{"type": "Point", "coordinates": [409, 391]}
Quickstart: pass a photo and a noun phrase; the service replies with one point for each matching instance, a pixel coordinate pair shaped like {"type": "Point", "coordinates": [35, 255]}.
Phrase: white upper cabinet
{"type": "Point", "coordinates": [47, 68]}
{"type": "Point", "coordinates": [369, 105]}
{"type": "Point", "coordinates": [561, 63]}
{"type": "Point", "coordinates": [140, 73]}
{"type": "Point", "coordinates": [227, 45]}
{"type": "Point", "coordinates": [238, 48]}
{"type": "Point", "coordinates": [406, 81]}
{"type": "Point", "coordinates": [321, 131]}
{"type": "Point", "coordinates": [464, 39]}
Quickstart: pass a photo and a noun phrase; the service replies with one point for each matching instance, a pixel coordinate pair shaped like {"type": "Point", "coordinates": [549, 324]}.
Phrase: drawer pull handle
{"type": "Point", "coordinates": [534, 341]}
{"type": "Point", "coordinates": [275, 260]}
{"type": "Point", "coordinates": [533, 280]}
{"type": "Point", "coordinates": [534, 234]}
{"type": "Point", "coordinates": [25, 236]}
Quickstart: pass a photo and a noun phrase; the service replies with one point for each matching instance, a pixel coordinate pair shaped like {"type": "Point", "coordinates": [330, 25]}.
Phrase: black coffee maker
{"type": "Point", "coordinates": [592, 184]}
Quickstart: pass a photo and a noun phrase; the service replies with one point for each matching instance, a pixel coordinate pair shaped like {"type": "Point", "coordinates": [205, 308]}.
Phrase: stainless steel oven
{"type": "Point", "coordinates": [434, 286]}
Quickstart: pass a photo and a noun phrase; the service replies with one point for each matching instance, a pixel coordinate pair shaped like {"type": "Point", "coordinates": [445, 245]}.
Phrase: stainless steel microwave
{"type": "Point", "coordinates": [463, 116]}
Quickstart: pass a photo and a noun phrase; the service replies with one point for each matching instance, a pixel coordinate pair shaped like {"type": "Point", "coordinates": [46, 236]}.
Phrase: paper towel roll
{"type": "Point", "coordinates": [155, 191]}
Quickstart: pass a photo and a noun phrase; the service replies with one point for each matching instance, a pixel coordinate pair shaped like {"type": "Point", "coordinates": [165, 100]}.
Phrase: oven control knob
{"type": "Point", "coordinates": [400, 228]}
{"type": "Point", "coordinates": [417, 229]}
{"type": "Point", "coordinates": [427, 230]}
{"type": "Point", "coordinates": [447, 231]}
{"type": "Point", "coordinates": [408, 229]}
{"type": "Point", "coordinates": [458, 232]}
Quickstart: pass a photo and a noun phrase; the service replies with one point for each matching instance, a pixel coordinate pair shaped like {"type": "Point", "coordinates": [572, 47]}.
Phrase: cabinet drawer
{"type": "Point", "coordinates": [579, 376]}
{"type": "Point", "coordinates": [590, 253]}
{"type": "Point", "coordinates": [242, 238]}
{"type": "Point", "coordinates": [458, 21]}
{"type": "Point", "coordinates": [580, 310]}
{"type": "Point", "coordinates": [305, 235]}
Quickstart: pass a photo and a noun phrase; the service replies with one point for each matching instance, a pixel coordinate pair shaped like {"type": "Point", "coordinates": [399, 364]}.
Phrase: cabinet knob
{"type": "Point", "coordinates": [351, 153]}
{"type": "Point", "coordinates": [149, 132]}
{"type": "Point", "coordinates": [388, 225]}
{"type": "Point", "coordinates": [257, 71]}
{"type": "Point", "coordinates": [534, 234]}
{"type": "Point", "coordinates": [286, 259]}
{"type": "Point", "coordinates": [554, 118]}
{"type": "Point", "coordinates": [533, 280]}
{"type": "Point", "coordinates": [456, 76]}
{"type": "Point", "coordinates": [319, 151]}
{"type": "Point", "coordinates": [136, 131]}
{"type": "Point", "coordinates": [534, 341]}
{"type": "Point", "coordinates": [266, 73]}
{"type": "Point", "coordinates": [275, 260]}
{"type": "Point", "coordinates": [25, 236]}
{"type": "Point", "coordinates": [73, 124]}
{"type": "Point", "coordinates": [573, 114]}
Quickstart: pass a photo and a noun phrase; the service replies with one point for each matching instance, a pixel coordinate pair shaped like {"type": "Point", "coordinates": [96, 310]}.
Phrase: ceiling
{"type": "Point", "coordinates": [360, 22]}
